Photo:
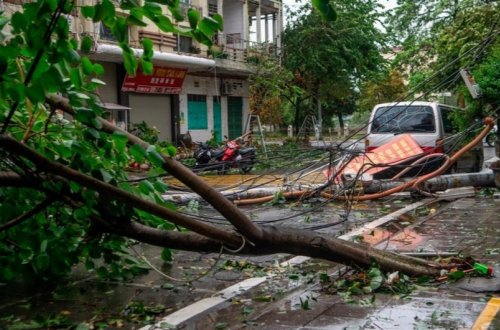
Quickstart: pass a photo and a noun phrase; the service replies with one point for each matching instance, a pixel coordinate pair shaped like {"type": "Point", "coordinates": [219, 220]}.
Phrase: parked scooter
{"type": "Point", "coordinates": [223, 159]}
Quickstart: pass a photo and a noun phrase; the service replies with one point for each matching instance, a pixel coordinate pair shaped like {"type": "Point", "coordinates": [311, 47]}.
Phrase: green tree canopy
{"type": "Point", "coordinates": [330, 58]}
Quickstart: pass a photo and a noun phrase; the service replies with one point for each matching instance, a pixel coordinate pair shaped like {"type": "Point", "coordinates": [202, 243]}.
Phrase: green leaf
{"type": "Point", "coordinates": [132, 20]}
{"type": "Point", "coordinates": [97, 81]}
{"type": "Point", "coordinates": [160, 186]}
{"type": "Point", "coordinates": [86, 44]}
{"type": "Point", "coordinates": [376, 278]}
{"type": "Point", "coordinates": [35, 93]}
{"type": "Point", "coordinates": [193, 17]}
{"type": "Point", "coordinates": [455, 276]}
{"type": "Point", "coordinates": [137, 152]}
{"type": "Point", "coordinates": [41, 262]}
{"type": "Point", "coordinates": [87, 66]}
{"type": "Point", "coordinates": [16, 92]}
{"type": "Point", "coordinates": [325, 9]}
{"type": "Point", "coordinates": [108, 11]}
{"type": "Point", "coordinates": [220, 21]}
{"type": "Point", "coordinates": [129, 60]}
{"type": "Point", "coordinates": [165, 24]}
{"type": "Point", "coordinates": [129, 4]}
{"type": "Point", "coordinates": [147, 44]}
{"type": "Point", "coordinates": [146, 187]}
{"type": "Point", "coordinates": [154, 156]}
{"type": "Point", "coordinates": [208, 26]}
{"type": "Point", "coordinates": [166, 255]}
{"type": "Point", "coordinates": [43, 246]}
{"type": "Point", "coordinates": [120, 141]}
{"type": "Point", "coordinates": [52, 4]}
{"type": "Point", "coordinates": [152, 8]}
{"type": "Point", "coordinates": [19, 22]}
{"type": "Point", "coordinates": [98, 69]}
{"type": "Point", "coordinates": [85, 115]}
{"type": "Point", "coordinates": [177, 13]}
{"type": "Point", "coordinates": [76, 77]}
{"type": "Point", "coordinates": [171, 150]}
{"type": "Point", "coordinates": [105, 176]}
{"type": "Point", "coordinates": [120, 30]}
{"type": "Point", "coordinates": [147, 67]}
{"type": "Point", "coordinates": [88, 11]}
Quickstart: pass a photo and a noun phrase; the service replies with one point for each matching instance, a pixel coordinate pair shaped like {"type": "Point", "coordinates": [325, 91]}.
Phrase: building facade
{"type": "Point", "coordinates": [190, 90]}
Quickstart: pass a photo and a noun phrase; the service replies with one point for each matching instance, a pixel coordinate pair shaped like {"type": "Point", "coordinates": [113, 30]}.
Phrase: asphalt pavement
{"type": "Point", "coordinates": [280, 291]}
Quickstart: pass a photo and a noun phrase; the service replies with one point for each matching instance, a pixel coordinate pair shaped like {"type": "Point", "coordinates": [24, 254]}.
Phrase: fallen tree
{"type": "Point", "coordinates": [65, 195]}
{"type": "Point", "coordinates": [55, 180]}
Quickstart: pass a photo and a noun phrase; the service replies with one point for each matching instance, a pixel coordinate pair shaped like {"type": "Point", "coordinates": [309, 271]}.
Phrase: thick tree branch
{"type": "Point", "coordinates": [282, 240]}
{"type": "Point", "coordinates": [23, 217]}
{"type": "Point", "coordinates": [230, 211]}
{"type": "Point", "coordinates": [12, 179]}
{"type": "Point", "coordinates": [106, 189]}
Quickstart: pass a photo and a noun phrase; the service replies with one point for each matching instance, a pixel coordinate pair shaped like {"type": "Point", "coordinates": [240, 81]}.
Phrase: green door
{"type": "Point", "coordinates": [217, 119]}
{"type": "Point", "coordinates": [234, 116]}
{"type": "Point", "coordinates": [197, 112]}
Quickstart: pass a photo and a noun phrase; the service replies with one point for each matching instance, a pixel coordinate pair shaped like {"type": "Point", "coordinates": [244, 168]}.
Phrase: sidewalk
{"type": "Point", "coordinates": [470, 226]}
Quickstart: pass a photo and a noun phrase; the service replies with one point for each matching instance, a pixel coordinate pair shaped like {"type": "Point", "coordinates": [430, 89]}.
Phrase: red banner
{"type": "Point", "coordinates": [162, 81]}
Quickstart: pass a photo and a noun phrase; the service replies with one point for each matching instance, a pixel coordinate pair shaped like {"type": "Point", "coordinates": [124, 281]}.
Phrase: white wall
{"type": "Point", "coordinates": [109, 92]}
{"type": "Point", "coordinates": [155, 110]}
{"type": "Point", "coordinates": [234, 21]}
{"type": "Point", "coordinates": [210, 87]}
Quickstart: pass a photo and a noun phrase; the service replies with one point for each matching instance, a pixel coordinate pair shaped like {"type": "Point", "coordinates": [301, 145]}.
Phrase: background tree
{"type": "Point", "coordinates": [333, 56]}
{"type": "Point", "coordinates": [385, 87]}
{"type": "Point", "coordinates": [439, 37]}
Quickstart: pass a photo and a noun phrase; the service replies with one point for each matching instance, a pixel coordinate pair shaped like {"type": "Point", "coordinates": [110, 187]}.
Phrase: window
{"type": "Point", "coordinates": [197, 112]}
{"type": "Point", "coordinates": [404, 119]}
{"type": "Point", "coordinates": [105, 33]}
{"type": "Point", "coordinates": [185, 44]}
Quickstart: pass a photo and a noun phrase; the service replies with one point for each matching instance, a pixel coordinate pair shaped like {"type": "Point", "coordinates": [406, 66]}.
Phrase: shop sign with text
{"type": "Point", "coordinates": [162, 81]}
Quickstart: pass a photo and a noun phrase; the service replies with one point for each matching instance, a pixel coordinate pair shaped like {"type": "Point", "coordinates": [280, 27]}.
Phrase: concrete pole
{"type": "Point", "coordinates": [266, 27]}
{"type": "Point", "coordinates": [220, 35]}
{"type": "Point", "coordinates": [275, 26]}
{"type": "Point", "coordinates": [258, 19]}
{"type": "Point", "coordinates": [279, 27]}
{"type": "Point", "coordinates": [246, 27]}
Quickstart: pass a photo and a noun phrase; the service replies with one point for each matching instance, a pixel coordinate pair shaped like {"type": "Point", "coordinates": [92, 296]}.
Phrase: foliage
{"type": "Point", "coordinates": [388, 87]}
{"type": "Point", "coordinates": [38, 57]}
{"type": "Point", "coordinates": [269, 83]}
{"type": "Point", "coordinates": [330, 58]}
{"type": "Point", "coordinates": [487, 75]}
{"type": "Point", "coordinates": [439, 37]}
{"type": "Point", "coordinates": [146, 132]}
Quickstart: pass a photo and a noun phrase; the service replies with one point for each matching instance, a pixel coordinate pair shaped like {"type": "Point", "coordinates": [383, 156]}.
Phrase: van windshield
{"type": "Point", "coordinates": [404, 119]}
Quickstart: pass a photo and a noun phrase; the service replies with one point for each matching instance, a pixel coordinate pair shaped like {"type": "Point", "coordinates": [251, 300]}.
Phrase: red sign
{"type": "Point", "coordinates": [162, 81]}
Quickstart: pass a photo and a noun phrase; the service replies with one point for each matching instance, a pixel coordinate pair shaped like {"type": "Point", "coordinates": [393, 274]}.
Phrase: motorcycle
{"type": "Point", "coordinates": [223, 159]}
{"type": "Point", "coordinates": [492, 137]}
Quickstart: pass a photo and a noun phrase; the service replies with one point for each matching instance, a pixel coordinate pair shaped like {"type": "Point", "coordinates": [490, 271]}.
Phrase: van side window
{"type": "Point", "coordinates": [447, 116]}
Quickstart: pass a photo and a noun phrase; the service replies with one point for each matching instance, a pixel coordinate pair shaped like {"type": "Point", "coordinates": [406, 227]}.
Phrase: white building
{"type": "Point", "coordinates": [209, 94]}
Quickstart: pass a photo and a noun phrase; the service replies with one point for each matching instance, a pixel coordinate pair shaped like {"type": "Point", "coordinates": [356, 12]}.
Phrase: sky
{"type": "Point", "coordinates": [387, 3]}
{"type": "Point", "coordinates": [292, 3]}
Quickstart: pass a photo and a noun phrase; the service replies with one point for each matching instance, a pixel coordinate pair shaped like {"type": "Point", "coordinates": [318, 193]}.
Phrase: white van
{"type": "Point", "coordinates": [429, 123]}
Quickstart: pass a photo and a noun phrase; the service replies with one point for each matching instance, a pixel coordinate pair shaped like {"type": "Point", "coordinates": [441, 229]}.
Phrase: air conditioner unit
{"type": "Point", "coordinates": [227, 88]}
{"type": "Point", "coordinates": [71, 23]}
